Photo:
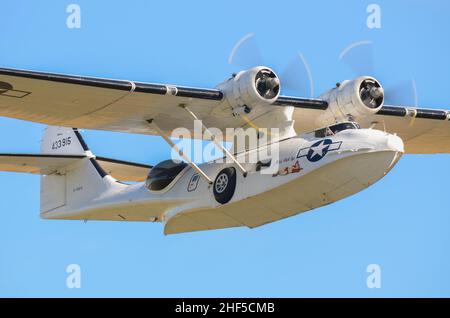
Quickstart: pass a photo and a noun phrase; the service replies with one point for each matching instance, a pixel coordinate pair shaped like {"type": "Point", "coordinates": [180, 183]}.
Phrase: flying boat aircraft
{"type": "Point", "coordinates": [326, 148]}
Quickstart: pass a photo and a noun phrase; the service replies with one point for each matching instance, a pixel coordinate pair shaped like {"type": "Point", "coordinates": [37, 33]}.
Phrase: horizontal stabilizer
{"type": "Point", "coordinates": [124, 170]}
{"type": "Point", "coordinates": [49, 163]}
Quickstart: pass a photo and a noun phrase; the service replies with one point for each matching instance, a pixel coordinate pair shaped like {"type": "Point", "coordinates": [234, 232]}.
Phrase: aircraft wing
{"type": "Point", "coordinates": [48, 164]}
{"type": "Point", "coordinates": [115, 105]}
{"type": "Point", "coordinates": [424, 131]}
{"type": "Point", "coordinates": [126, 106]}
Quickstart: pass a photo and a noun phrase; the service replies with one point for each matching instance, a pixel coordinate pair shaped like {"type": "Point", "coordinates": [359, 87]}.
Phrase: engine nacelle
{"type": "Point", "coordinates": [351, 100]}
{"type": "Point", "coordinates": [247, 89]}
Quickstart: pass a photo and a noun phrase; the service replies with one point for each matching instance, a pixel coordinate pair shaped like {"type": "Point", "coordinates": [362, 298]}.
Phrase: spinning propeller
{"type": "Point", "coordinates": [359, 57]}
{"type": "Point", "coordinates": [296, 77]}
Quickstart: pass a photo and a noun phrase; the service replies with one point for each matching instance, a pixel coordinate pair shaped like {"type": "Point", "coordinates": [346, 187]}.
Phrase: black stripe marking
{"type": "Point", "coordinates": [212, 94]}
{"type": "Point", "coordinates": [301, 102]}
{"type": "Point", "coordinates": [151, 88]}
{"type": "Point", "coordinates": [431, 114]}
{"type": "Point", "coordinates": [392, 111]}
{"type": "Point", "coordinates": [80, 139]}
{"type": "Point", "coordinates": [70, 79]}
{"type": "Point", "coordinates": [158, 89]}
{"type": "Point", "coordinates": [191, 92]}
{"type": "Point", "coordinates": [97, 167]}
{"type": "Point", "coordinates": [420, 112]}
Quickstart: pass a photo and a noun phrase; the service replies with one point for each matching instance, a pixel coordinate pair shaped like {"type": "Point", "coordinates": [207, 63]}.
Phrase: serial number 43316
{"type": "Point", "coordinates": [63, 142]}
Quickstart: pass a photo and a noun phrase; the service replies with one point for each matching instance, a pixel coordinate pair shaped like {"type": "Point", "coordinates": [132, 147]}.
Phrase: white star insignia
{"type": "Point", "coordinates": [318, 150]}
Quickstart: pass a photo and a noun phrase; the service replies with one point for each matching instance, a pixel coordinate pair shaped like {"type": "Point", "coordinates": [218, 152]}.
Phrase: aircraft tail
{"type": "Point", "coordinates": [75, 184]}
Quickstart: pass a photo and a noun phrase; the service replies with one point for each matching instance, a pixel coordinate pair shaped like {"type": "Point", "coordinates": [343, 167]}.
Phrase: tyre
{"type": "Point", "coordinates": [224, 185]}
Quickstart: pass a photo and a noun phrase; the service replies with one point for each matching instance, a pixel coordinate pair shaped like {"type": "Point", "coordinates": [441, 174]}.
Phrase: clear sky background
{"type": "Point", "coordinates": [402, 223]}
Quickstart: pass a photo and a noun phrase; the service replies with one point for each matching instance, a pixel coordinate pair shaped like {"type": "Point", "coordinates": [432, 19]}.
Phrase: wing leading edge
{"type": "Point", "coordinates": [126, 106]}
{"type": "Point", "coordinates": [113, 105]}
{"type": "Point", "coordinates": [424, 131]}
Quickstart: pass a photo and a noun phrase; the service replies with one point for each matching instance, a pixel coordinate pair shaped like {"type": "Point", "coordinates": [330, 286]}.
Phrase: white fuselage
{"type": "Point", "coordinates": [309, 172]}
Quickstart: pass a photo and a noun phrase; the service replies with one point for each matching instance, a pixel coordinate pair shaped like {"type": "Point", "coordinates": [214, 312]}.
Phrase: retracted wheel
{"type": "Point", "coordinates": [224, 185]}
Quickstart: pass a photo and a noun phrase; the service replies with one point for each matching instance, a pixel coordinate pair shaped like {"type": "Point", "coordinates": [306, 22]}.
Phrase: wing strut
{"type": "Point", "coordinates": [181, 153]}
{"type": "Point", "coordinates": [217, 142]}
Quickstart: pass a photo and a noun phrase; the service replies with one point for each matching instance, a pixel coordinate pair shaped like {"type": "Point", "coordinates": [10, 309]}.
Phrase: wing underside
{"type": "Point", "coordinates": [424, 131]}
{"type": "Point", "coordinates": [420, 135]}
{"type": "Point", "coordinates": [126, 106]}
{"type": "Point", "coordinates": [116, 105]}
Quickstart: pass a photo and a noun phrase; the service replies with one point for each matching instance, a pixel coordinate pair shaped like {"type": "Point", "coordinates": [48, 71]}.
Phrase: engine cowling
{"type": "Point", "coordinates": [352, 99]}
{"type": "Point", "coordinates": [247, 89]}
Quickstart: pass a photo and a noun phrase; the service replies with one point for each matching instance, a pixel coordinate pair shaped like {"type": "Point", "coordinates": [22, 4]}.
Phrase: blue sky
{"type": "Point", "coordinates": [400, 223]}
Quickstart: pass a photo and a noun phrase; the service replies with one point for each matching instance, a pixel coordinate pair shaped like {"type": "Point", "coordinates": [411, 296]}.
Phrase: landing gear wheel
{"type": "Point", "coordinates": [224, 185]}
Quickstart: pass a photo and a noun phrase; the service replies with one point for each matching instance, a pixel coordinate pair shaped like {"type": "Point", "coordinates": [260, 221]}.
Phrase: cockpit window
{"type": "Point", "coordinates": [334, 129]}
{"type": "Point", "coordinates": [163, 174]}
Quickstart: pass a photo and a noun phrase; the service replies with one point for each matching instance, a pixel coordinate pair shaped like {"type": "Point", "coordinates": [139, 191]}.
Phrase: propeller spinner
{"type": "Point", "coordinates": [267, 84]}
